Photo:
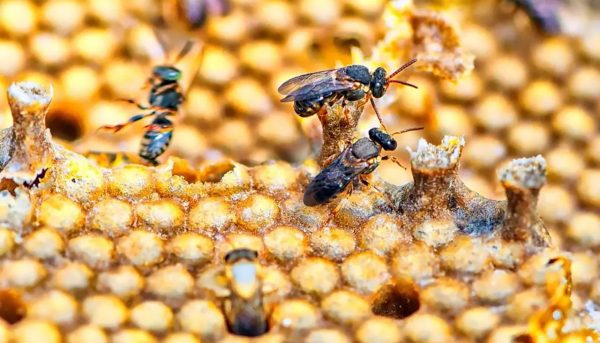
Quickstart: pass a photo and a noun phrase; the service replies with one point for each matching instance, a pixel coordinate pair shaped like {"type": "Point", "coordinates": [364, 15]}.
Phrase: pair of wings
{"type": "Point", "coordinates": [314, 85]}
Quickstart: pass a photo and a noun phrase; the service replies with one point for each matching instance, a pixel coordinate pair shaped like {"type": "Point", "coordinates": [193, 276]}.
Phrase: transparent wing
{"type": "Point", "coordinates": [313, 85]}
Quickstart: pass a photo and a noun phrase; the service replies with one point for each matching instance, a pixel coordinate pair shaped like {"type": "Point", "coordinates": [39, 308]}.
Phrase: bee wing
{"type": "Point", "coordinates": [332, 180]}
{"type": "Point", "coordinates": [310, 86]}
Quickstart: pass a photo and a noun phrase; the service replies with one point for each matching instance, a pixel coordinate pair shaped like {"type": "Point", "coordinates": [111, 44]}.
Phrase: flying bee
{"type": "Point", "coordinates": [244, 307]}
{"type": "Point", "coordinates": [193, 13]}
{"type": "Point", "coordinates": [543, 14]}
{"type": "Point", "coordinates": [164, 100]}
{"type": "Point", "coordinates": [310, 92]}
{"type": "Point", "coordinates": [359, 159]}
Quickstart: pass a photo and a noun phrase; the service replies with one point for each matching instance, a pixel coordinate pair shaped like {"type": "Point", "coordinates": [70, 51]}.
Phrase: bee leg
{"type": "Point", "coordinates": [377, 113]}
{"type": "Point", "coordinates": [131, 101]}
{"type": "Point", "coordinates": [395, 160]}
{"type": "Point", "coordinates": [118, 127]}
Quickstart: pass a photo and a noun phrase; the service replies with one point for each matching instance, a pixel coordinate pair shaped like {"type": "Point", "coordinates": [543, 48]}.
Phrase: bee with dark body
{"type": "Point", "coordinates": [357, 160]}
{"type": "Point", "coordinates": [311, 92]}
{"type": "Point", "coordinates": [543, 13]}
{"type": "Point", "coordinates": [193, 13]}
{"type": "Point", "coordinates": [164, 100]}
{"type": "Point", "coordinates": [244, 308]}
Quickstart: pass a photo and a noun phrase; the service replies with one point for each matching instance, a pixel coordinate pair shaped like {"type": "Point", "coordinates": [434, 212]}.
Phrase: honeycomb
{"type": "Point", "coordinates": [130, 253]}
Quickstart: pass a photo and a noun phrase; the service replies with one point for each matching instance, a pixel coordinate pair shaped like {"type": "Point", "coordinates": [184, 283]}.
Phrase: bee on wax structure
{"type": "Point", "coordinates": [193, 13]}
{"type": "Point", "coordinates": [543, 13]}
{"type": "Point", "coordinates": [310, 92]}
{"type": "Point", "coordinates": [244, 308]}
{"type": "Point", "coordinates": [359, 159]}
{"type": "Point", "coordinates": [164, 100]}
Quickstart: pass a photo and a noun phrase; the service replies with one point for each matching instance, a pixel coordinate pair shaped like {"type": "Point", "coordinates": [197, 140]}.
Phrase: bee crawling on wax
{"type": "Point", "coordinates": [193, 13]}
{"type": "Point", "coordinates": [310, 92]}
{"type": "Point", "coordinates": [164, 100]}
{"type": "Point", "coordinates": [543, 14]}
{"type": "Point", "coordinates": [243, 306]}
{"type": "Point", "coordinates": [351, 165]}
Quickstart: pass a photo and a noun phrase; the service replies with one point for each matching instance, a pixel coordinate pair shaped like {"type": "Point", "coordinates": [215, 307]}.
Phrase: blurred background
{"type": "Point", "coordinates": [532, 91]}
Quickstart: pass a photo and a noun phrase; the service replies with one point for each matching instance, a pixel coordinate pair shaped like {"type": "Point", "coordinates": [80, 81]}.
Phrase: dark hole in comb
{"type": "Point", "coordinates": [12, 308]}
{"type": "Point", "coordinates": [64, 125]}
{"type": "Point", "coordinates": [397, 300]}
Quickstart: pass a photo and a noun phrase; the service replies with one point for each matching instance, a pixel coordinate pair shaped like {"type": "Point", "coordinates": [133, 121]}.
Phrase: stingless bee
{"type": "Point", "coordinates": [164, 100]}
{"type": "Point", "coordinates": [543, 14]}
{"type": "Point", "coordinates": [244, 307]}
{"type": "Point", "coordinates": [359, 159]}
{"type": "Point", "coordinates": [310, 92]}
{"type": "Point", "coordinates": [193, 13]}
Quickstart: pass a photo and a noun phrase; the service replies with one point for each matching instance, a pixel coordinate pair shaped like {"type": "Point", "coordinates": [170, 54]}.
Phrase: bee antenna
{"type": "Point", "coordinates": [404, 83]}
{"type": "Point", "coordinates": [408, 130]}
{"type": "Point", "coordinates": [406, 65]}
{"type": "Point", "coordinates": [184, 51]}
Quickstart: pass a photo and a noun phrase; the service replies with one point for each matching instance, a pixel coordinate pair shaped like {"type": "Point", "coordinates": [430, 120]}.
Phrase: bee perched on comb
{"type": "Point", "coordinates": [311, 92]}
{"type": "Point", "coordinates": [359, 159]}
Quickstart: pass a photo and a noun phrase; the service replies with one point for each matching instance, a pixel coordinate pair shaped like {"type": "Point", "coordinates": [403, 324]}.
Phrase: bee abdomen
{"type": "Point", "coordinates": [154, 144]}
{"type": "Point", "coordinates": [307, 108]}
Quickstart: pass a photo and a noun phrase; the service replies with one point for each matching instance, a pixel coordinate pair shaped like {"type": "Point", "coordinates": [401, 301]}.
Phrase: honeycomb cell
{"type": "Point", "coordinates": [588, 187]}
{"type": "Point", "coordinates": [87, 334]}
{"type": "Point", "coordinates": [418, 262]}
{"type": "Point", "coordinates": [171, 282]}
{"type": "Point", "coordinates": [54, 306]}
{"type": "Point", "coordinates": [258, 212]}
{"type": "Point", "coordinates": [496, 72]}
{"type": "Point", "coordinates": [202, 318]}
{"type": "Point", "coordinates": [540, 98]}
{"type": "Point", "coordinates": [365, 272]}
{"type": "Point", "coordinates": [427, 328]}
{"type": "Point", "coordinates": [574, 122]}
{"type": "Point", "coordinates": [452, 120]}
{"type": "Point", "coordinates": [34, 330]}
{"type": "Point", "coordinates": [141, 248]}
{"type": "Point", "coordinates": [181, 337]}
{"type": "Point", "coordinates": [345, 307]}
{"type": "Point", "coordinates": [464, 255]}
{"type": "Point", "coordinates": [494, 112]}
{"type": "Point", "coordinates": [286, 243]}
{"type": "Point", "coordinates": [554, 56]}
{"type": "Point", "coordinates": [277, 16]}
{"type": "Point", "coordinates": [274, 177]}
{"type": "Point", "coordinates": [295, 315]}
{"type": "Point", "coordinates": [111, 216]}
{"type": "Point", "coordinates": [445, 295]}
{"type": "Point", "coordinates": [210, 215]}
{"type": "Point", "coordinates": [124, 282]}
{"type": "Point", "coordinates": [247, 97]}
{"type": "Point", "coordinates": [18, 17]}
{"type": "Point", "coordinates": [583, 229]}
{"type": "Point", "coordinates": [72, 277]}
{"type": "Point", "coordinates": [191, 248]}
{"type": "Point", "coordinates": [436, 233]}
{"type": "Point", "coordinates": [528, 137]}
{"type": "Point", "coordinates": [329, 11]}
{"type": "Point", "coordinates": [477, 322]}
{"type": "Point", "coordinates": [23, 273]}
{"type": "Point", "coordinates": [130, 181]}
{"type": "Point", "coordinates": [64, 16]}
{"type": "Point", "coordinates": [44, 243]}
{"type": "Point", "coordinates": [467, 88]}
{"type": "Point", "coordinates": [326, 336]}
{"type": "Point", "coordinates": [315, 275]}
{"type": "Point", "coordinates": [61, 213]}
{"type": "Point", "coordinates": [105, 311]}
{"type": "Point", "coordinates": [378, 330]}
{"type": "Point", "coordinates": [382, 233]}
{"type": "Point", "coordinates": [524, 304]}
{"type": "Point", "coordinates": [93, 250]}
{"type": "Point", "coordinates": [556, 204]}
{"type": "Point", "coordinates": [357, 208]}
{"type": "Point", "coordinates": [584, 83]}
{"type": "Point", "coordinates": [484, 152]}
{"type": "Point", "coordinates": [161, 216]}
{"type": "Point", "coordinates": [584, 269]}
{"type": "Point", "coordinates": [219, 66]}
{"type": "Point", "coordinates": [152, 316]}
{"type": "Point", "coordinates": [133, 336]}
{"type": "Point", "coordinates": [495, 286]}
{"type": "Point", "coordinates": [7, 241]}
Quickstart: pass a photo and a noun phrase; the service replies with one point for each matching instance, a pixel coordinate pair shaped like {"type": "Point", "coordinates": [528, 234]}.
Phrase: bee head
{"type": "Point", "coordinates": [240, 254]}
{"type": "Point", "coordinates": [378, 83]}
{"type": "Point", "coordinates": [167, 73]}
{"type": "Point", "coordinates": [384, 139]}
